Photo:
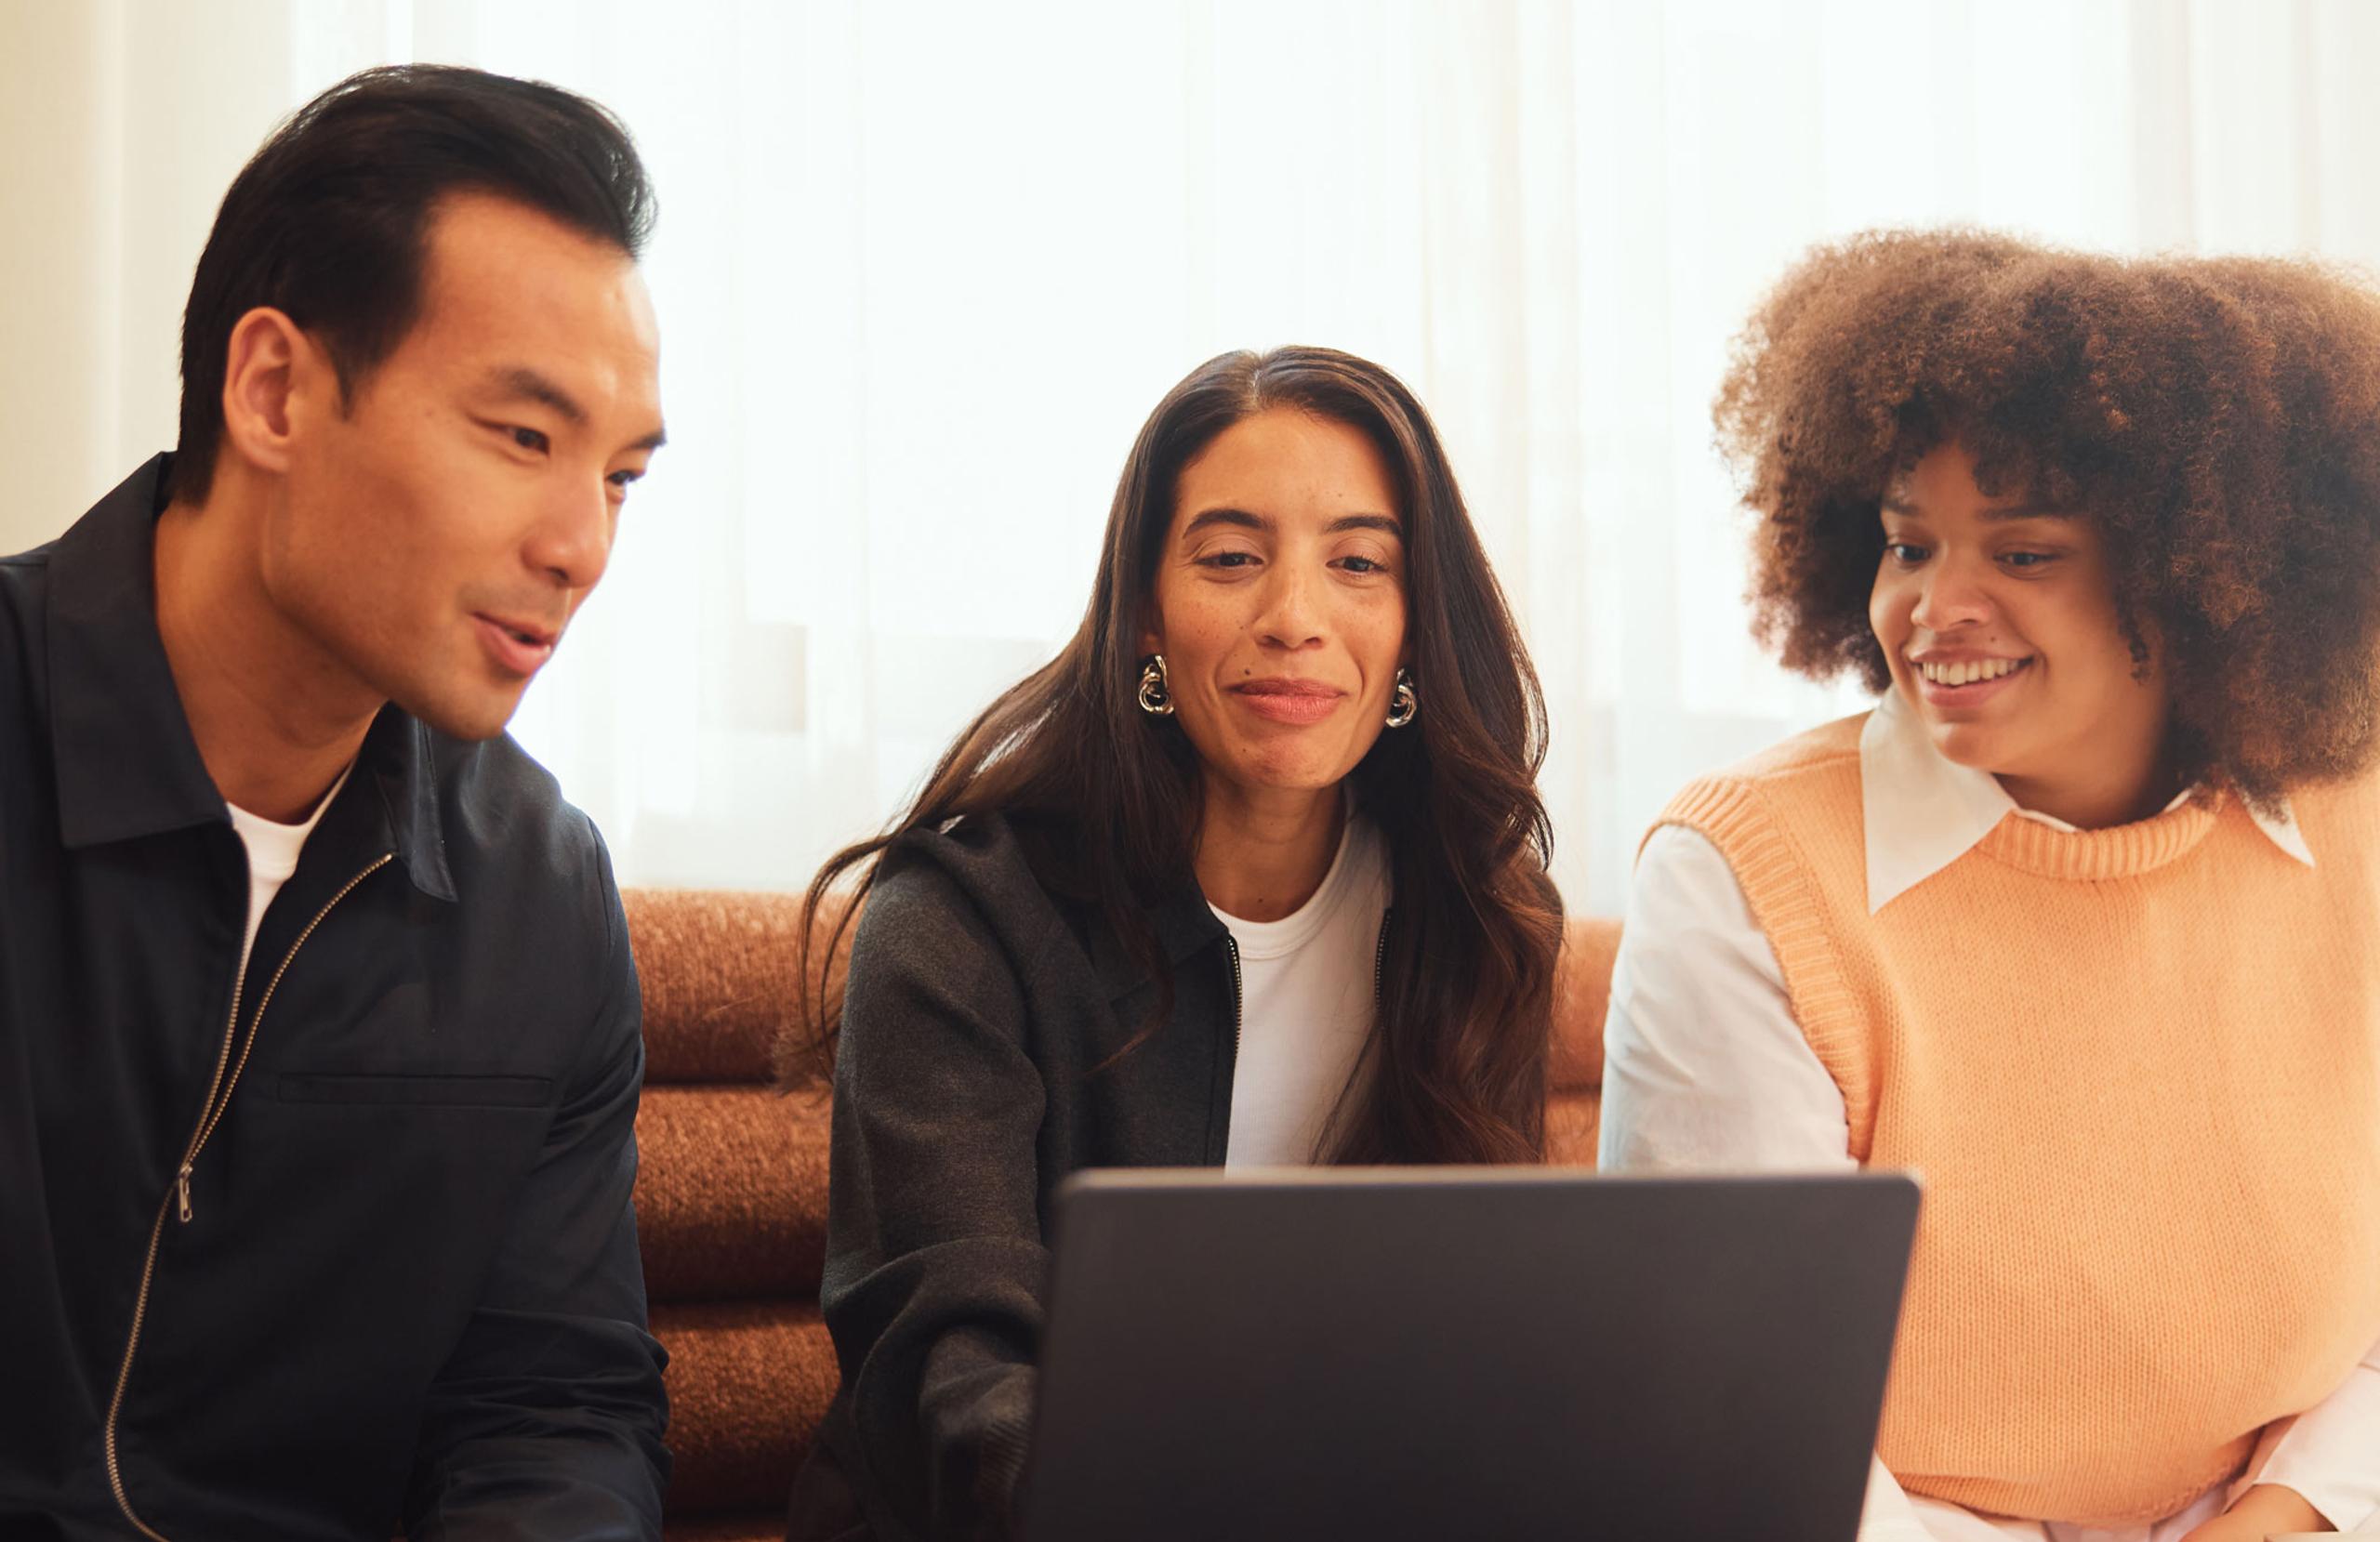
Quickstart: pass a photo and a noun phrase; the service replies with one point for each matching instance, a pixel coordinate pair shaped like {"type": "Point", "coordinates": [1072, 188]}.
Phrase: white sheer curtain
{"type": "Point", "coordinates": [923, 268]}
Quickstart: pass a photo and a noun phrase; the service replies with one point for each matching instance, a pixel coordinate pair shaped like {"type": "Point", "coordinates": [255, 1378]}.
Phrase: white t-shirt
{"type": "Point", "coordinates": [1306, 986]}
{"type": "Point", "coordinates": [272, 856]}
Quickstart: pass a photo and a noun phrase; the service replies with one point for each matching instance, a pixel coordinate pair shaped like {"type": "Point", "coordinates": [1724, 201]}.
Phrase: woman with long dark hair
{"type": "Point", "coordinates": [1254, 872]}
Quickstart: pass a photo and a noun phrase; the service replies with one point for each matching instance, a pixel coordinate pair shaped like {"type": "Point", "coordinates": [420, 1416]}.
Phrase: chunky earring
{"type": "Point", "coordinates": [1405, 706]}
{"type": "Point", "coordinates": [1156, 700]}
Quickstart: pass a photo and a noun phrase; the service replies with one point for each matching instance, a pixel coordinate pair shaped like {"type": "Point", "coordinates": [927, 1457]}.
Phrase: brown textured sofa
{"type": "Point", "coordinates": [732, 1197]}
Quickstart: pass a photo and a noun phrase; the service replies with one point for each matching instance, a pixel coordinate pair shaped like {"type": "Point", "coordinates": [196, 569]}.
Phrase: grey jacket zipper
{"type": "Point", "coordinates": [218, 1101]}
{"type": "Point", "coordinates": [1231, 946]}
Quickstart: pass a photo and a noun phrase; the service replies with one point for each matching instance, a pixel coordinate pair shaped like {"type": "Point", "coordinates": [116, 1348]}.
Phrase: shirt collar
{"type": "Point", "coordinates": [125, 761]}
{"type": "Point", "coordinates": [1922, 812]}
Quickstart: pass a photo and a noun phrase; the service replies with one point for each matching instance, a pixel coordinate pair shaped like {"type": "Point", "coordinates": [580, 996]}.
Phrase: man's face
{"type": "Point", "coordinates": [435, 537]}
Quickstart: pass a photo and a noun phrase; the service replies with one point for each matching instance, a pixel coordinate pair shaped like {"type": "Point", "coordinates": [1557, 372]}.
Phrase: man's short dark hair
{"type": "Point", "coordinates": [329, 222]}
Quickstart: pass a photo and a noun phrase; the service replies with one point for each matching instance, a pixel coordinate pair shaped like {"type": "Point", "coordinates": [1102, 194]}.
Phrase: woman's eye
{"type": "Point", "coordinates": [1363, 564]}
{"type": "Point", "coordinates": [2027, 558]}
{"type": "Point", "coordinates": [1228, 560]}
{"type": "Point", "coordinates": [531, 440]}
{"type": "Point", "coordinates": [621, 478]}
{"type": "Point", "coordinates": [1905, 553]}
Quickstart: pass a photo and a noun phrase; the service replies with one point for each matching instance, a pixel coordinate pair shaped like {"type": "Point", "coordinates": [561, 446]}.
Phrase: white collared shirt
{"type": "Point", "coordinates": [1705, 1069]}
{"type": "Point", "coordinates": [1922, 812]}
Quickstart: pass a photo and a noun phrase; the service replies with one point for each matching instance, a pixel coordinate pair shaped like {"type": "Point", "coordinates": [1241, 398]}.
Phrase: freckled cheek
{"type": "Point", "coordinates": [1199, 641]}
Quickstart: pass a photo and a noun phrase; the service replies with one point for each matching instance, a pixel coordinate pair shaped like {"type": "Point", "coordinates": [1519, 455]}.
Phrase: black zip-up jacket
{"type": "Point", "coordinates": [346, 1242]}
{"type": "Point", "coordinates": [978, 1007]}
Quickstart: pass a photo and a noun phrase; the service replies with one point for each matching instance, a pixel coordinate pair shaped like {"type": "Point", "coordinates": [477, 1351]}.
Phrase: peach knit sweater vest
{"type": "Point", "coordinates": [2138, 1070]}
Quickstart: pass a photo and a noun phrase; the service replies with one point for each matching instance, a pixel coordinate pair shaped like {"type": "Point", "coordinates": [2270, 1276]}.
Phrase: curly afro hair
{"type": "Point", "coordinates": [2217, 418]}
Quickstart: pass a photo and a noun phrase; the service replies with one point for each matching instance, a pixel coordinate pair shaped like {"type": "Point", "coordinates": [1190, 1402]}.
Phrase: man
{"type": "Point", "coordinates": [319, 1034]}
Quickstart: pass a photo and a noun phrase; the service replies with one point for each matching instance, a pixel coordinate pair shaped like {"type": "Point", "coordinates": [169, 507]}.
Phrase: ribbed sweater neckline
{"type": "Point", "coordinates": [2119, 851]}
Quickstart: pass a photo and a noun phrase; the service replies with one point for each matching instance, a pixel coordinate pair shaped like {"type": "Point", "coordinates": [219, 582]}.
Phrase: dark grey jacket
{"type": "Point", "coordinates": [978, 1007]}
{"type": "Point", "coordinates": [343, 1244]}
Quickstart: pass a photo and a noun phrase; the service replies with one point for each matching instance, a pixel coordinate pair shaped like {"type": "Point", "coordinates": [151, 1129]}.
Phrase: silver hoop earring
{"type": "Point", "coordinates": [1406, 706]}
{"type": "Point", "coordinates": [1156, 700]}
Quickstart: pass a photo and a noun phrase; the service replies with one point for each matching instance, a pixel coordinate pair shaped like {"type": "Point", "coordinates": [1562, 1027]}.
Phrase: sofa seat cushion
{"type": "Point", "coordinates": [716, 969]}
{"type": "Point", "coordinates": [1572, 1121]}
{"type": "Point", "coordinates": [731, 1198]}
{"type": "Point", "coordinates": [748, 1382]}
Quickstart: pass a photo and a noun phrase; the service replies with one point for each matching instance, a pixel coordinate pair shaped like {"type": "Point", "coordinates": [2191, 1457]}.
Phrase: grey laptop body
{"type": "Point", "coordinates": [1392, 1353]}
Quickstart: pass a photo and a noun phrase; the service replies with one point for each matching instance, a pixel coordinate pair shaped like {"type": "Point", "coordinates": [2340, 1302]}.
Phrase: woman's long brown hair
{"type": "Point", "coordinates": [1455, 1070]}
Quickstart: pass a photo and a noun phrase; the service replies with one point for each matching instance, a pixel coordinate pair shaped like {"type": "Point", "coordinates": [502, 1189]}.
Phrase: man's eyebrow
{"type": "Point", "coordinates": [652, 440]}
{"type": "Point", "coordinates": [523, 383]}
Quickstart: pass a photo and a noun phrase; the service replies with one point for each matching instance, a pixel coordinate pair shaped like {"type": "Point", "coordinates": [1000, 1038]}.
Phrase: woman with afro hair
{"type": "Point", "coordinates": [2082, 921]}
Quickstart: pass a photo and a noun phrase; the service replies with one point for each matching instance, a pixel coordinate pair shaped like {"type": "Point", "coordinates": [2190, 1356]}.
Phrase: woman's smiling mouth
{"type": "Point", "coordinates": [1965, 681]}
{"type": "Point", "coordinates": [1286, 699]}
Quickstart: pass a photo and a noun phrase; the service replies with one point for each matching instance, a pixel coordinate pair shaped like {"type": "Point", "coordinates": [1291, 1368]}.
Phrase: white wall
{"type": "Point", "coordinates": [107, 202]}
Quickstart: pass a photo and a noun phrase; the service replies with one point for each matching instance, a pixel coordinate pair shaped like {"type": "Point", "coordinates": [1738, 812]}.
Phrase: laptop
{"type": "Point", "coordinates": [1380, 1354]}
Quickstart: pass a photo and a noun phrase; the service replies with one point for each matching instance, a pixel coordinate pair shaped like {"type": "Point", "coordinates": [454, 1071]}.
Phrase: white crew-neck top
{"type": "Point", "coordinates": [1306, 986]}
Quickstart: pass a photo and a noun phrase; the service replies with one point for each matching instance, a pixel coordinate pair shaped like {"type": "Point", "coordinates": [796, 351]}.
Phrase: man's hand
{"type": "Point", "coordinates": [2264, 1510]}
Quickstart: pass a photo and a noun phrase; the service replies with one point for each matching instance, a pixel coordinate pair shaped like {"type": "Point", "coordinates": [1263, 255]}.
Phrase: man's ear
{"type": "Point", "coordinates": [274, 380]}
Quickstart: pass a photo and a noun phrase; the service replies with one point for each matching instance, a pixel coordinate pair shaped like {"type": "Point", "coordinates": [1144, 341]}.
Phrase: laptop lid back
{"type": "Point", "coordinates": [1432, 1353]}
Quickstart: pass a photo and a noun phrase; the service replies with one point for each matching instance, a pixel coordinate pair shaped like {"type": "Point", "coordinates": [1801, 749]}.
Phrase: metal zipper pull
{"type": "Point", "coordinates": [182, 1192]}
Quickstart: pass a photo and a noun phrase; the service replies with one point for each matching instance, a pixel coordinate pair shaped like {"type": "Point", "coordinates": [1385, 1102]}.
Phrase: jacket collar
{"type": "Point", "coordinates": [127, 763]}
{"type": "Point", "coordinates": [400, 753]}
{"type": "Point", "coordinates": [1184, 925]}
{"type": "Point", "coordinates": [1922, 812]}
